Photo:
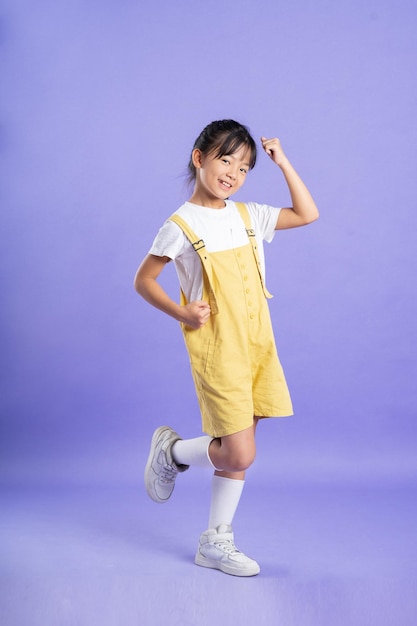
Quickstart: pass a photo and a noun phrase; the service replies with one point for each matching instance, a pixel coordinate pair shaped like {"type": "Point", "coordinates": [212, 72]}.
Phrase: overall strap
{"type": "Point", "coordinates": [244, 214]}
{"type": "Point", "coordinates": [200, 248]}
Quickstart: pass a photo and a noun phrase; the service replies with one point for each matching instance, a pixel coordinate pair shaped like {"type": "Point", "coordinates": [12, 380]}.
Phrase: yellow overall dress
{"type": "Point", "coordinates": [234, 361]}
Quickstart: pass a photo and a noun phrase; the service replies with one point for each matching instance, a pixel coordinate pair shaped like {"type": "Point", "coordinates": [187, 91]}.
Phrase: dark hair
{"type": "Point", "coordinates": [222, 137]}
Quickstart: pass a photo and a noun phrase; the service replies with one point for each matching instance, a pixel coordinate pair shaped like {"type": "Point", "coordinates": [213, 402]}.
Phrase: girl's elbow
{"type": "Point", "coordinates": [313, 217]}
{"type": "Point", "coordinates": [137, 283]}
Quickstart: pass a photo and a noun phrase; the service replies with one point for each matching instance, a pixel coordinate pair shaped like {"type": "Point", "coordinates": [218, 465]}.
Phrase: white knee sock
{"type": "Point", "coordinates": [225, 496]}
{"type": "Point", "coordinates": [193, 451]}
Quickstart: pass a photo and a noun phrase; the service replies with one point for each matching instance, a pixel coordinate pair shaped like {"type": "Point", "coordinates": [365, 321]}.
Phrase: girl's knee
{"type": "Point", "coordinates": [237, 452]}
{"type": "Point", "coordinates": [241, 460]}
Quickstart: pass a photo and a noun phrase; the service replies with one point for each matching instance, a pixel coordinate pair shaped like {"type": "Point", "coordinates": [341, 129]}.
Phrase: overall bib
{"type": "Point", "coordinates": [233, 357]}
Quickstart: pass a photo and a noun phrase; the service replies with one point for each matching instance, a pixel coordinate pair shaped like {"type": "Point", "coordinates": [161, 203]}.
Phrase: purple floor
{"type": "Point", "coordinates": [338, 554]}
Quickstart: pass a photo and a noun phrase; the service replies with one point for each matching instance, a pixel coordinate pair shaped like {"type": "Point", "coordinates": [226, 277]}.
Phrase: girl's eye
{"type": "Point", "coordinates": [243, 170]}
{"type": "Point", "coordinates": [226, 161]}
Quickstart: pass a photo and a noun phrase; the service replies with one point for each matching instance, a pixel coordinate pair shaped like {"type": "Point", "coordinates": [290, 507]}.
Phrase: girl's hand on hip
{"type": "Point", "coordinates": [196, 314]}
{"type": "Point", "coordinates": [274, 150]}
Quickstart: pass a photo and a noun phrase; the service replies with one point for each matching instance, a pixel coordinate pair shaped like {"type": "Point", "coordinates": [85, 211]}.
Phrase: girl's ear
{"type": "Point", "coordinates": [197, 158]}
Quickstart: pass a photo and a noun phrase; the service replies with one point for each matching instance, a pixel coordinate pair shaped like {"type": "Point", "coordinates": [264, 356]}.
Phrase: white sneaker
{"type": "Point", "coordinates": [217, 550]}
{"type": "Point", "coordinates": [161, 469]}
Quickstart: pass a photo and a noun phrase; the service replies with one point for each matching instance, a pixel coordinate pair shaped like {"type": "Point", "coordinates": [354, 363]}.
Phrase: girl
{"type": "Point", "coordinates": [217, 248]}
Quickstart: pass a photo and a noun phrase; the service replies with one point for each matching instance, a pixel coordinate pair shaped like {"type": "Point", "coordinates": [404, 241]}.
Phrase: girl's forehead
{"type": "Point", "coordinates": [222, 148]}
{"type": "Point", "coordinates": [242, 154]}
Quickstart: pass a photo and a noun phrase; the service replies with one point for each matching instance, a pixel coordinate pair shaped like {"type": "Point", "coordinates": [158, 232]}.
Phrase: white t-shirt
{"type": "Point", "coordinates": [221, 229]}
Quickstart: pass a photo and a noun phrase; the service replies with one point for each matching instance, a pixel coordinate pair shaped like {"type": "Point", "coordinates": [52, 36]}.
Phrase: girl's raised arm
{"type": "Point", "coordinates": [304, 209]}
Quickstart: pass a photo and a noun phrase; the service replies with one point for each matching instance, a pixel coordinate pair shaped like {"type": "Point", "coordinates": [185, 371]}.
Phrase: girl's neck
{"type": "Point", "coordinates": [207, 201]}
{"type": "Point", "coordinates": [207, 205]}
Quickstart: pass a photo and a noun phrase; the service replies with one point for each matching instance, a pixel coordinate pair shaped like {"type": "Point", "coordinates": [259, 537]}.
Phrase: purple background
{"type": "Point", "coordinates": [100, 105]}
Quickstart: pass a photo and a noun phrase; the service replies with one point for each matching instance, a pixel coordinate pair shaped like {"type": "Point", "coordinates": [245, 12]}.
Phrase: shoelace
{"type": "Point", "coordinates": [168, 474]}
{"type": "Point", "coordinates": [227, 545]}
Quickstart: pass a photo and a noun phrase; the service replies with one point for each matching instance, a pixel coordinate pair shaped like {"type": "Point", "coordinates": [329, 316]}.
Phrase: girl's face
{"type": "Point", "coordinates": [219, 177]}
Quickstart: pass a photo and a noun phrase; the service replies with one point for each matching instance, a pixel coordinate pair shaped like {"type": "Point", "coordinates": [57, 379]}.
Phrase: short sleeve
{"type": "Point", "coordinates": [170, 241]}
{"type": "Point", "coordinates": [265, 219]}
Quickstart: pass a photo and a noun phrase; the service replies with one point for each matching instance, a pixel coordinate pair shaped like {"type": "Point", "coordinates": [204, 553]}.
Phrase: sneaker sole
{"type": "Point", "coordinates": [148, 477]}
{"type": "Point", "coordinates": [226, 568]}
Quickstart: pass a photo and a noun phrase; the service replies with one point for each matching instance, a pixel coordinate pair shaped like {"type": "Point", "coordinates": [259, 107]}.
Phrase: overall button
{"type": "Point", "coordinates": [247, 290]}
{"type": "Point", "coordinates": [252, 315]}
{"type": "Point", "coordinates": [245, 277]}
